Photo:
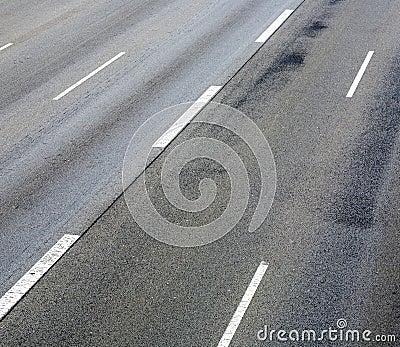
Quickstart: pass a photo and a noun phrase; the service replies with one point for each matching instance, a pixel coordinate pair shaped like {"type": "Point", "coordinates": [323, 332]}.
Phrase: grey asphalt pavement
{"type": "Point", "coordinates": [61, 161]}
{"type": "Point", "coordinates": [331, 238]}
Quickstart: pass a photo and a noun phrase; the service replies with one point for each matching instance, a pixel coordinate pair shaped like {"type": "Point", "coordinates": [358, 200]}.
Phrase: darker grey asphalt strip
{"type": "Point", "coordinates": [118, 286]}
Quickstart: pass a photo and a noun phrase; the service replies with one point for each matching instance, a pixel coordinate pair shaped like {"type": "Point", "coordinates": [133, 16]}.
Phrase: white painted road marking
{"type": "Point", "coordinates": [26, 282]}
{"type": "Point", "coordinates": [6, 46]}
{"type": "Point", "coordinates": [274, 26]}
{"type": "Point", "coordinates": [360, 74]}
{"type": "Point", "coordinates": [65, 92]}
{"type": "Point", "coordinates": [244, 304]}
{"type": "Point", "coordinates": [185, 119]}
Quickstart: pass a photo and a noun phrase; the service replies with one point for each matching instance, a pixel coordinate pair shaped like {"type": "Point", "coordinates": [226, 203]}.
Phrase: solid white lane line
{"type": "Point", "coordinates": [26, 282]}
{"type": "Point", "coordinates": [274, 26]}
{"type": "Point", "coordinates": [244, 304]}
{"type": "Point", "coordinates": [185, 119]}
{"type": "Point", "coordinates": [6, 46]}
{"type": "Point", "coordinates": [360, 74]}
{"type": "Point", "coordinates": [65, 92]}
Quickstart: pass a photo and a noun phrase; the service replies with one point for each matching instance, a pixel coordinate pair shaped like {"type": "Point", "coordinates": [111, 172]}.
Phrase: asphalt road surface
{"type": "Point", "coordinates": [79, 78]}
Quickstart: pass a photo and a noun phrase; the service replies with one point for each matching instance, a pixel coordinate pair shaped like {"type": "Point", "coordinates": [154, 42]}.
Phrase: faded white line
{"type": "Point", "coordinates": [274, 26]}
{"type": "Point", "coordinates": [26, 282]}
{"type": "Point", "coordinates": [65, 92]}
{"type": "Point", "coordinates": [185, 119]}
{"type": "Point", "coordinates": [244, 304]}
{"type": "Point", "coordinates": [360, 74]}
{"type": "Point", "coordinates": [6, 46]}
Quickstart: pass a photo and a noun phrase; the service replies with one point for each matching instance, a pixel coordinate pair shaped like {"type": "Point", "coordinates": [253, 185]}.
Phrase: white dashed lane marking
{"type": "Point", "coordinates": [84, 79]}
{"type": "Point", "coordinates": [360, 74]}
{"type": "Point", "coordinates": [274, 26]}
{"type": "Point", "coordinates": [6, 46]}
{"type": "Point", "coordinates": [27, 281]}
{"type": "Point", "coordinates": [243, 305]}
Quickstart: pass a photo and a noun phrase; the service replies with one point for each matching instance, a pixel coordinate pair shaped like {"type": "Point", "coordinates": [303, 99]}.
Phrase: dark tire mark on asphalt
{"type": "Point", "coordinates": [276, 75]}
{"type": "Point", "coordinates": [355, 203]}
{"type": "Point", "coordinates": [315, 28]}
{"type": "Point", "coordinates": [335, 2]}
